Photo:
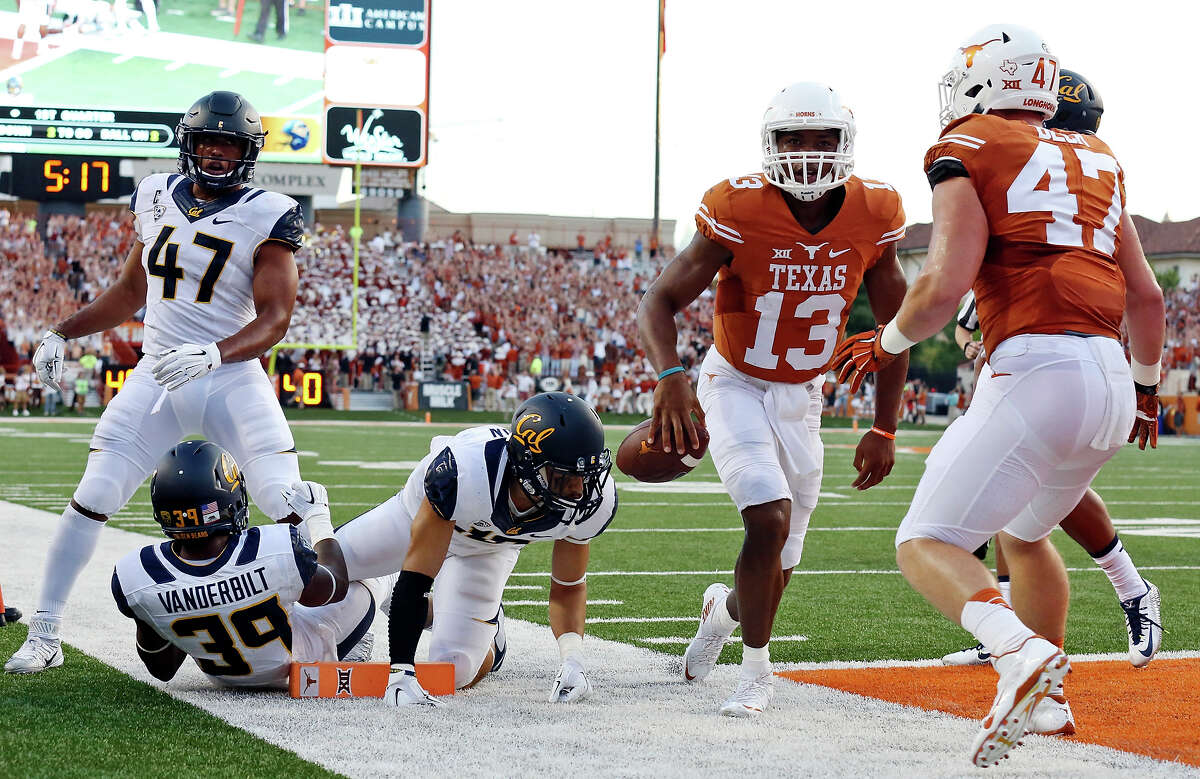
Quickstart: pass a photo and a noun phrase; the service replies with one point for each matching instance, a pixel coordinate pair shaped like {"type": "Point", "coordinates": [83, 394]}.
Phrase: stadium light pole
{"type": "Point", "coordinates": [660, 46]}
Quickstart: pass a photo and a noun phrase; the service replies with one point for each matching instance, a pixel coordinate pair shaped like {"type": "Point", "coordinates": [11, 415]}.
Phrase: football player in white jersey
{"type": "Point", "coordinates": [242, 602]}
{"type": "Point", "coordinates": [213, 266]}
{"type": "Point", "coordinates": [459, 524]}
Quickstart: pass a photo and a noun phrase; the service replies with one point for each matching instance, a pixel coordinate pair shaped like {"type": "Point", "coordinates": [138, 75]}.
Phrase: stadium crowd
{"type": "Point", "coordinates": [510, 319]}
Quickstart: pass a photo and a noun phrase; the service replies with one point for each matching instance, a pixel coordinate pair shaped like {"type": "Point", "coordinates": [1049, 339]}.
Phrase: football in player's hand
{"type": "Point", "coordinates": [637, 459]}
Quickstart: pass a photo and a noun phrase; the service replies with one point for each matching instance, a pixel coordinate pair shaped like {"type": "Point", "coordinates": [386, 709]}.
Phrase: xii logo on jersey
{"type": "Point", "coordinates": [781, 254]}
{"type": "Point", "coordinates": [532, 438]}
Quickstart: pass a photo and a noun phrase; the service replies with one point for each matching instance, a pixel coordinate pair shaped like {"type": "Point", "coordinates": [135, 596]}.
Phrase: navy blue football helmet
{"type": "Point", "coordinates": [197, 491]}
{"type": "Point", "coordinates": [557, 452]}
{"type": "Point", "coordinates": [220, 113]}
{"type": "Point", "coordinates": [1079, 105]}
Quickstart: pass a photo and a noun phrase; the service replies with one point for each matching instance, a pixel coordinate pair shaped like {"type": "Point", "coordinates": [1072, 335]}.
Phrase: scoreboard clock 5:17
{"type": "Point", "coordinates": [68, 177]}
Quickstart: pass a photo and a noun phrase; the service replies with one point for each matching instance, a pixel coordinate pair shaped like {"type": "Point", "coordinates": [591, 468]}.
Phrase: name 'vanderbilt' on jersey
{"type": "Point", "coordinates": [783, 299]}
{"type": "Point", "coordinates": [232, 615]}
{"type": "Point", "coordinates": [1053, 201]}
{"type": "Point", "coordinates": [463, 477]}
{"type": "Point", "coordinates": [199, 256]}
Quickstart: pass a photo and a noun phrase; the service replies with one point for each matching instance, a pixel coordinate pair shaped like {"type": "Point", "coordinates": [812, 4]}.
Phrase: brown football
{"type": "Point", "coordinates": [638, 460]}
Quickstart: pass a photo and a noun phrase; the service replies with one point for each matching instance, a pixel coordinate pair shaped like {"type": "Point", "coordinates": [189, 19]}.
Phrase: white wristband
{"type": "Point", "coordinates": [1145, 374]}
{"type": "Point", "coordinates": [320, 528]}
{"type": "Point", "coordinates": [570, 644]}
{"type": "Point", "coordinates": [893, 341]}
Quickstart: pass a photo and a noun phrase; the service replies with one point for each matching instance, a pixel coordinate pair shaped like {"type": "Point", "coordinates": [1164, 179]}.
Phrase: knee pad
{"type": "Point", "coordinates": [108, 483]}
{"type": "Point", "coordinates": [793, 548]}
{"type": "Point", "coordinates": [266, 479]}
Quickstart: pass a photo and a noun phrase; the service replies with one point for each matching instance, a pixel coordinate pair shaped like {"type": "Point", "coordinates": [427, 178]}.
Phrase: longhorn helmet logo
{"type": "Point", "coordinates": [969, 52]}
{"type": "Point", "coordinates": [531, 438]}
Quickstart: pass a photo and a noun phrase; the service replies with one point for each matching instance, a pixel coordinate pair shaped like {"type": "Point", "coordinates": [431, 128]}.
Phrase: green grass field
{"type": "Point", "coordinates": [846, 600]}
{"type": "Point", "coordinates": [842, 613]}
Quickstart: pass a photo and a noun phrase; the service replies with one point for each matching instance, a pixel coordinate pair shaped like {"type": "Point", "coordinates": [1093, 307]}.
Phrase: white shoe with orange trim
{"type": "Point", "coordinates": [752, 696]}
{"type": "Point", "coordinates": [1026, 676]}
{"type": "Point", "coordinates": [1053, 716]}
{"type": "Point", "coordinates": [705, 649]}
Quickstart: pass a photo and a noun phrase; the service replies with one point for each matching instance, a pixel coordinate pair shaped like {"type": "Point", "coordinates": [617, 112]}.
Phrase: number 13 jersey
{"type": "Point", "coordinates": [199, 256]}
{"type": "Point", "coordinates": [783, 299]}
{"type": "Point", "coordinates": [1053, 201]}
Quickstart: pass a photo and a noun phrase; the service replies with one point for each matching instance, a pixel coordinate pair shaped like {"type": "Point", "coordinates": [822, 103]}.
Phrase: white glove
{"type": "Point", "coordinates": [404, 690]}
{"type": "Point", "coordinates": [180, 365]}
{"type": "Point", "coordinates": [310, 501]}
{"type": "Point", "coordinates": [570, 685]}
{"type": "Point", "coordinates": [48, 360]}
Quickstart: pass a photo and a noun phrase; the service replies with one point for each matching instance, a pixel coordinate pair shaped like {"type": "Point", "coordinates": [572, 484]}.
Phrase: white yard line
{"type": "Point", "coordinates": [641, 720]}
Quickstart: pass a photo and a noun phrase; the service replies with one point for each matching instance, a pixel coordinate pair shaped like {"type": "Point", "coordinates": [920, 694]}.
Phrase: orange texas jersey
{"type": "Point", "coordinates": [782, 301]}
{"type": "Point", "coordinates": [1053, 201]}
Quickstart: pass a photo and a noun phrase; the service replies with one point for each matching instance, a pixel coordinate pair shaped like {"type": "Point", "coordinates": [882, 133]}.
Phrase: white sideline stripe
{"type": "Point", "coordinates": [835, 572]}
{"type": "Point", "coordinates": [684, 640]}
{"type": "Point", "coordinates": [601, 602]}
{"type": "Point", "coordinates": [835, 665]}
{"type": "Point", "coordinates": [121, 59]}
{"type": "Point", "coordinates": [641, 719]}
{"type": "Point", "coordinates": [301, 103]}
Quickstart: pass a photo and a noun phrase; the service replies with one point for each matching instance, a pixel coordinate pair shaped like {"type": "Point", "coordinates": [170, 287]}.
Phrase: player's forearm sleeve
{"type": "Point", "coordinates": [408, 613]}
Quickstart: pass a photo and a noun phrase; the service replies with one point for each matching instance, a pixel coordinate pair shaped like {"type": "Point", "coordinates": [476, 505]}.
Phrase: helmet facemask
{"type": "Point", "coordinates": [554, 486]}
{"type": "Point", "coordinates": [191, 163]}
{"type": "Point", "coordinates": [807, 175]}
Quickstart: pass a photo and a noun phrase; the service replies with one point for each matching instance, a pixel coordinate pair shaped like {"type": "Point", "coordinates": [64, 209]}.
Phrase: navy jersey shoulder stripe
{"type": "Point", "coordinates": [119, 597]}
{"type": "Point", "coordinates": [441, 484]}
{"type": "Point", "coordinates": [289, 228]}
{"type": "Point", "coordinates": [306, 558]}
{"type": "Point", "coordinates": [493, 451]}
{"type": "Point", "coordinates": [255, 194]}
{"type": "Point", "coordinates": [154, 567]}
{"type": "Point", "coordinates": [359, 630]}
{"type": "Point", "coordinates": [250, 542]}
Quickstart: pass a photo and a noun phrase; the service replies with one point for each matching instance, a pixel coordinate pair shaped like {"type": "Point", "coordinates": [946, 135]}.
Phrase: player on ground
{"type": "Point", "coordinates": [1035, 219]}
{"type": "Point", "coordinates": [459, 524]}
{"type": "Point", "coordinates": [789, 248]}
{"type": "Point", "coordinates": [1089, 524]}
{"type": "Point", "coordinates": [243, 603]}
{"type": "Point", "coordinates": [213, 265]}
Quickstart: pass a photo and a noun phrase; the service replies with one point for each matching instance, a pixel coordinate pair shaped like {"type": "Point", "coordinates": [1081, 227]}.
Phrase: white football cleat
{"type": "Point", "coordinates": [1053, 716]}
{"type": "Point", "coordinates": [37, 654]}
{"type": "Point", "coordinates": [752, 696]}
{"type": "Point", "coordinates": [1026, 676]}
{"type": "Point", "coordinates": [404, 690]}
{"type": "Point", "coordinates": [705, 649]}
{"type": "Point", "coordinates": [1143, 622]}
{"type": "Point", "coordinates": [975, 655]}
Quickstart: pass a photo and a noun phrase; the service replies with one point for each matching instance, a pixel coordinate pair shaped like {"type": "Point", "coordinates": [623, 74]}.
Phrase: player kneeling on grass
{"type": "Point", "coordinates": [244, 603]}
{"type": "Point", "coordinates": [459, 524]}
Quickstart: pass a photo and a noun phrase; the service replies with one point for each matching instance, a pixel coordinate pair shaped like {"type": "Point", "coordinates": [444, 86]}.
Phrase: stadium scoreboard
{"type": "Point", "coordinates": [73, 179]}
{"type": "Point", "coordinates": [133, 133]}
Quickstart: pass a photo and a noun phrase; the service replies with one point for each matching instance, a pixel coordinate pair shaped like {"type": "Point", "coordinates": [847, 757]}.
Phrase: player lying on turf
{"type": "Point", "coordinates": [243, 603]}
{"type": "Point", "coordinates": [459, 524]}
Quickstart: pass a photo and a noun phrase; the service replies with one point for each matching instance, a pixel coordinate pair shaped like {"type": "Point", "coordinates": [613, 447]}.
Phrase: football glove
{"type": "Point", "coordinates": [310, 502]}
{"type": "Point", "coordinates": [180, 365]}
{"type": "Point", "coordinates": [48, 360]}
{"type": "Point", "coordinates": [1145, 424]}
{"type": "Point", "coordinates": [404, 690]}
{"type": "Point", "coordinates": [859, 355]}
{"type": "Point", "coordinates": [570, 685]}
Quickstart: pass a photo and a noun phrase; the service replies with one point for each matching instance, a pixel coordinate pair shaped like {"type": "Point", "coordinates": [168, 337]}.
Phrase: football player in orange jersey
{"type": "Point", "coordinates": [1034, 219]}
{"type": "Point", "coordinates": [789, 247]}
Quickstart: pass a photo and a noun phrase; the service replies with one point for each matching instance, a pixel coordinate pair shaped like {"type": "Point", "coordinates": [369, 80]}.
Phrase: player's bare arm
{"type": "Point", "coordinates": [113, 306]}
{"type": "Point", "coordinates": [876, 454]}
{"type": "Point", "coordinates": [568, 587]}
{"type": "Point", "coordinates": [1145, 316]}
{"type": "Point", "coordinates": [275, 283]}
{"type": "Point", "coordinates": [330, 582]}
{"type": "Point", "coordinates": [681, 282]}
{"type": "Point", "coordinates": [162, 658]}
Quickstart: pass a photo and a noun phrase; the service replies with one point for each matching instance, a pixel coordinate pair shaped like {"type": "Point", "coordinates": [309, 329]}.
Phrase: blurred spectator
{"type": "Point", "coordinates": [281, 20]}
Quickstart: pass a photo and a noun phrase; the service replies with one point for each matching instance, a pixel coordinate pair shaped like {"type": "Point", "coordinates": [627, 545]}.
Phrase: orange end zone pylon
{"type": "Point", "coordinates": [362, 680]}
{"type": "Point", "coordinates": [7, 613]}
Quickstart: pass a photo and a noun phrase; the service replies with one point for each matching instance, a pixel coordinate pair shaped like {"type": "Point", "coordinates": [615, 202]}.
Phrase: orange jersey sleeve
{"type": "Point", "coordinates": [1053, 201]}
{"type": "Point", "coordinates": [783, 299]}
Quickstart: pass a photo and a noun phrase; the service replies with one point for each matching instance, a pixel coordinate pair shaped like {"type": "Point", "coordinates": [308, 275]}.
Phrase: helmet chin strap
{"type": "Point", "coordinates": [528, 513]}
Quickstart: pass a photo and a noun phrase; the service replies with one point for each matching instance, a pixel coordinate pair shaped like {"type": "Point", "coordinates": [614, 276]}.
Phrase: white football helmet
{"type": "Point", "coordinates": [807, 106]}
{"type": "Point", "coordinates": [1002, 66]}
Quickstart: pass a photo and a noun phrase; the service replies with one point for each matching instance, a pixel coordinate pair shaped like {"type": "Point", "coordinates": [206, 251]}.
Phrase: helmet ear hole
{"type": "Point", "coordinates": [973, 91]}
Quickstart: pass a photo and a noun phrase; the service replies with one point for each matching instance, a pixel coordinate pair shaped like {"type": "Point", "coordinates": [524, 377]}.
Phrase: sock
{"type": "Point", "coordinates": [755, 657]}
{"type": "Point", "coordinates": [72, 547]}
{"type": "Point", "coordinates": [1005, 588]}
{"type": "Point", "coordinates": [1116, 563]}
{"type": "Point", "coordinates": [992, 621]}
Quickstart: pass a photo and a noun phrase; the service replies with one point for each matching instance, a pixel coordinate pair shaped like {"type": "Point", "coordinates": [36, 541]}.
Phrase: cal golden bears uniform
{"type": "Point", "coordinates": [237, 615]}
{"type": "Point", "coordinates": [464, 478]}
{"type": "Point", "coordinates": [199, 262]}
{"type": "Point", "coordinates": [781, 307]}
{"type": "Point", "coordinates": [1056, 399]}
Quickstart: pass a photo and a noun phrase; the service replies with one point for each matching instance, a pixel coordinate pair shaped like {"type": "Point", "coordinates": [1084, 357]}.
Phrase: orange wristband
{"type": "Point", "coordinates": [884, 433]}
